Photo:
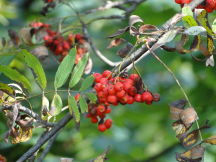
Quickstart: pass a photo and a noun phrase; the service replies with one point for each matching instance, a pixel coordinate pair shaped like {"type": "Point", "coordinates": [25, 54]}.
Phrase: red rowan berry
{"type": "Point", "coordinates": [94, 120]}
{"type": "Point", "coordinates": [102, 127]}
{"type": "Point", "coordinates": [108, 123]}
{"type": "Point", "coordinates": [147, 97]}
{"type": "Point", "coordinates": [138, 98]}
{"type": "Point", "coordinates": [112, 99]}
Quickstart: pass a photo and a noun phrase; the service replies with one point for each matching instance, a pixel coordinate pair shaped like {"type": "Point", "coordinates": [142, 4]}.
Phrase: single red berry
{"type": "Point", "coordinates": [147, 97]}
{"type": "Point", "coordinates": [108, 123]}
{"type": "Point", "coordinates": [112, 99]}
{"type": "Point", "coordinates": [134, 76]}
{"type": "Point", "coordinates": [138, 98]}
{"type": "Point", "coordinates": [77, 97]}
{"type": "Point", "coordinates": [103, 80]}
{"type": "Point", "coordinates": [118, 86]}
{"type": "Point", "coordinates": [101, 108]}
{"type": "Point", "coordinates": [102, 127]}
{"type": "Point", "coordinates": [111, 90]}
{"type": "Point", "coordinates": [178, 1]}
{"type": "Point", "coordinates": [120, 94]}
{"type": "Point", "coordinates": [94, 120]}
{"type": "Point", "coordinates": [97, 77]}
{"type": "Point", "coordinates": [127, 86]}
{"type": "Point", "coordinates": [108, 110]}
{"type": "Point", "coordinates": [132, 91]}
{"type": "Point", "coordinates": [107, 74]}
{"type": "Point", "coordinates": [130, 100]}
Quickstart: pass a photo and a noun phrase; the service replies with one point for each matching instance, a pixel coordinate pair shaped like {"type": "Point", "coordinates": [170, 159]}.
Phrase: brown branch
{"type": "Point", "coordinates": [144, 51]}
{"type": "Point", "coordinates": [61, 124]}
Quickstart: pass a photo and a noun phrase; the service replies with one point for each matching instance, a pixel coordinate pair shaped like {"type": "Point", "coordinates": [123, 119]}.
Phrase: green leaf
{"type": "Point", "coordinates": [92, 97]}
{"type": "Point", "coordinates": [36, 67]}
{"type": "Point", "coordinates": [56, 105]}
{"type": "Point", "coordinates": [78, 71]}
{"type": "Point", "coordinates": [65, 69]}
{"type": "Point", "coordinates": [7, 89]}
{"type": "Point", "coordinates": [83, 105]}
{"type": "Point", "coordinates": [214, 26]}
{"type": "Point", "coordinates": [87, 83]}
{"type": "Point", "coordinates": [186, 11]}
{"type": "Point", "coordinates": [73, 108]}
{"type": "Point", "coordinates": [15, 76]}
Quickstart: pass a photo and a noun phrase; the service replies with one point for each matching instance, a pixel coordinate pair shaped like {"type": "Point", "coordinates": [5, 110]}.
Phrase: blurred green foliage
{"type": "Point", "coordinates": [139, 131]}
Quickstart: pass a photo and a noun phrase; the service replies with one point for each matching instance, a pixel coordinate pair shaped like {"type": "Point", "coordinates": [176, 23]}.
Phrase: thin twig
{"type": "Point", "coordinates": [180, 86]}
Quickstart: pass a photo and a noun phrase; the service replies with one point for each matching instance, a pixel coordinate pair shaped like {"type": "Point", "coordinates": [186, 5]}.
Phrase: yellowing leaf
{"type": "Point", "coordinates": [211, 140]}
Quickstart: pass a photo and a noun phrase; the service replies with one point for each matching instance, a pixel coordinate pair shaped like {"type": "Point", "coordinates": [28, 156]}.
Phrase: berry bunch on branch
{"type": "Point", "coordinates": [116, 90]}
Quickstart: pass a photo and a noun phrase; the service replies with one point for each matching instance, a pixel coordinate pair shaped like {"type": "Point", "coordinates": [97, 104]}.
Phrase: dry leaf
{"type": "Point", "coordinates": [26, 35]}
{"type": "Point", "coordinates": [116, 42]}
{"type": "Point", "coordinates": [176, 108]}
{"type": "Point", "coordinates": [134, 19]}
{"type": "Point", "coordinates": [123, 52]}
{"type": "Point", "coordinates": [179, 127]}
{"type": "Point", "coordinates": [41, 52]}
{"type": "Point", "coordinates": [147, 28]}
{"type": "Point", "coordinates": [195, 154]}
{"type": "Point", "coordinates": [14, 37]}
{"type": "Point", "coordinates": [88, 67]}
{"type": "Point", "coordinates": [211, 140]}
{"type": "Point", "coordinates": [188, 116]}
{"type": "Point", "coordinates": [189, 139]}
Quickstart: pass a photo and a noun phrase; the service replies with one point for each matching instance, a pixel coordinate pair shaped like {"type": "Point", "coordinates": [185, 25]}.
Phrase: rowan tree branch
{"type": "Point", "coordinates": [47, 148]}
{"type": "Point", "coordinates": [143, 51]}
{"type": "Point", "coordinates": [30, 113]}
{"type": "Point", "coordinates": [61, 124]}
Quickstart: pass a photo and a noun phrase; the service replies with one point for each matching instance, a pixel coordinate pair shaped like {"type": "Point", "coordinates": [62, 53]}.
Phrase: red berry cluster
{"type": "Point", "coordinates": [114, 90]}
{"type": "Point", "coordinates": [60, 45]}
{"type": "Point", "coordinates": [57, 43]}
{"type": "Point", "coordinates": [208, 5]}
{"type": "Point", "coordinates": [97, 113]}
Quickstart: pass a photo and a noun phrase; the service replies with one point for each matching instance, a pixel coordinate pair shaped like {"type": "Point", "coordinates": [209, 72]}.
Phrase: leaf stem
{"type": "Point", "coordinates": [178, 83]}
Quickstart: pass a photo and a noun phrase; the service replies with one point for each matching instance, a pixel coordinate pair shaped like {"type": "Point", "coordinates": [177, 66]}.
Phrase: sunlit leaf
{"type": "Point", "coordinates": [187, 11]}
{"type": "Point", "coordinates": [195, 30]}
{"type": "Point", "coordinates": [133, 19]}
{"type": "Point", "coordinates": [7, 89]}
{"type": "Point", "coordinates": [56, 105]}
{"type": "Point", "coordinates": [64, 69]}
